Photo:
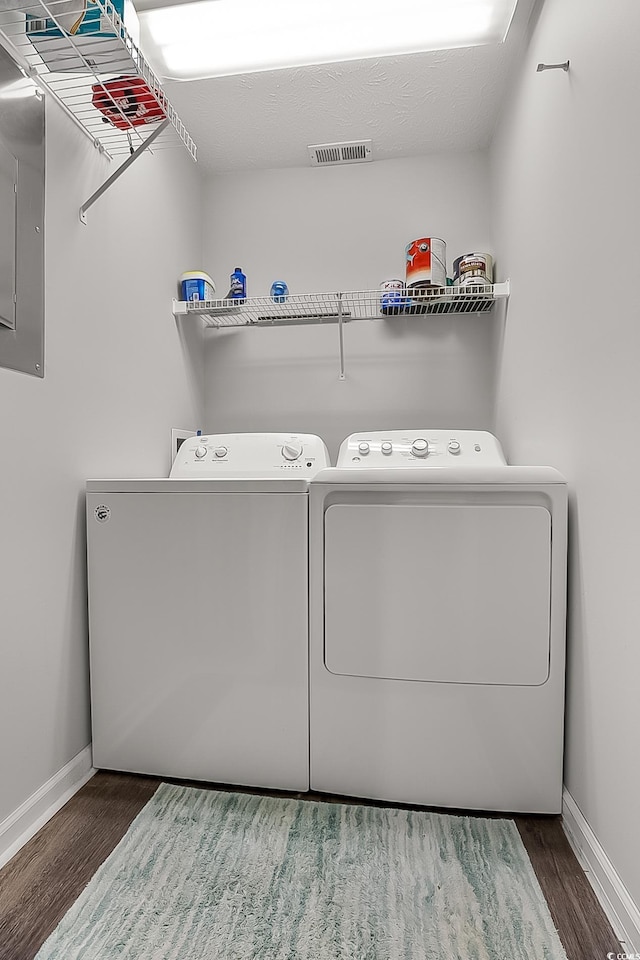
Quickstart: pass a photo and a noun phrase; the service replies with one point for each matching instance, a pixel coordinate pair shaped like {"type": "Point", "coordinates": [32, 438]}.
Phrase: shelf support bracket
{"type": "Point", "coordinates": [341, 337]}
{"type": "Point", "coordinates": [121, 169]}
{"type": "Point", "coordinates": [553, 66]}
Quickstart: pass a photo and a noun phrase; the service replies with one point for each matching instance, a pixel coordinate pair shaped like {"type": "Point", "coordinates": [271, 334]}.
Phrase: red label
{"type": "Point", "coordinates": [418, 259]}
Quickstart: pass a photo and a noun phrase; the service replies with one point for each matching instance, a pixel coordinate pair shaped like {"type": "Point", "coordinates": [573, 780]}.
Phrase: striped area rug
{"type": "Point", "coordinates": [202, 875]}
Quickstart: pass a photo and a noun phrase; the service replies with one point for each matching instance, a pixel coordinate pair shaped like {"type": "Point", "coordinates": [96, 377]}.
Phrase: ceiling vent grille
{"type": "Point", "coordinates": [328, 154]}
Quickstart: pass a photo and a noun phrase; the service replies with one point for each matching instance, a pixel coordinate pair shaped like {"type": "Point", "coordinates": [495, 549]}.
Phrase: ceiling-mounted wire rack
{"type": "Point", "coordinates": [82, 70]}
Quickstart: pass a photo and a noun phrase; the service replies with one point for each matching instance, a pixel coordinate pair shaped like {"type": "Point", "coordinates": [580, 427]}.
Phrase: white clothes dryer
{"type": "Point", "coordinates": [437, 623]}
{"type": "Point", "coordinates": [198, 613]}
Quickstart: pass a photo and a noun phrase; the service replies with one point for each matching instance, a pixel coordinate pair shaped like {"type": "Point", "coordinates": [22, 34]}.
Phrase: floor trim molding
{"type": "Point", "coordinates": [622, 912]}
{"type": "Point", "coordinates": [31, 815]}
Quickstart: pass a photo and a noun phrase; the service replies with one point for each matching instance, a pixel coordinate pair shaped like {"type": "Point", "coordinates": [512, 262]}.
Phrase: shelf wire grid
{"type": "Point", "coordinates": [69, 66]}
{"type": "Point", "coordinates": [310, 308]}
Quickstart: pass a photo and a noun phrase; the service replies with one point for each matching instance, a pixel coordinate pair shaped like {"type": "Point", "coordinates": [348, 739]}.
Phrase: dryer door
{"type": "Point", "coordinates": [454, 593]}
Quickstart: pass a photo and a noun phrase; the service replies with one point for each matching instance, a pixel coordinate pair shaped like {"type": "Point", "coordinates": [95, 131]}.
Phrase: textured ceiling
{"type": "Point", "coordinates": [408, 105]}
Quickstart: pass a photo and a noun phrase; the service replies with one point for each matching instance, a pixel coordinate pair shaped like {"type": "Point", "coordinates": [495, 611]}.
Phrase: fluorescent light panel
{"type": "Point", "coordinates": [216, 38]}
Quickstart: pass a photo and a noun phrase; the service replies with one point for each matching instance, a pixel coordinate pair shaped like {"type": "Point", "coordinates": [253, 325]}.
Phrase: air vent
{"type": "Point", "coordinates": [327, 154]}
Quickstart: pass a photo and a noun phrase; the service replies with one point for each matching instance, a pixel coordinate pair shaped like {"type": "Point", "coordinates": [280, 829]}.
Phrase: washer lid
{"type": "Point", "coordinates": [198, 486]}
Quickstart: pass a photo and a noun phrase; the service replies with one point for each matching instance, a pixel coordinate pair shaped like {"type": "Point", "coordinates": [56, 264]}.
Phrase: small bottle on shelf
{"type": "Point", "coordinates": [279, 291]}
{"type": "Point", "coordinates": [238, 289]}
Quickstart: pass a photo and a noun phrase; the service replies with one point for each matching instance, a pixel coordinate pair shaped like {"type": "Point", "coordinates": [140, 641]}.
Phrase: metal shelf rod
{"type": "Point", "coordinates": [121, 169]}
{"type": "Point", "coordinates": [341, 336]}
{"type": "Point", "coordinates": [553, 66]}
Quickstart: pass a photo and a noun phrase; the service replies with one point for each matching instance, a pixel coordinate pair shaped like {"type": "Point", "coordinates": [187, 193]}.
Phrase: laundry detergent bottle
{"type": "Point", "coordinates": [238, 289]}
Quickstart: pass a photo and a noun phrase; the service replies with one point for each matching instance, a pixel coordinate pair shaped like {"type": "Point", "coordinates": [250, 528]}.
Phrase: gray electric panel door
{"type": "Point", "coordinates": [21, 221]}
{"type": "Point", "coordinates": [8, 186]}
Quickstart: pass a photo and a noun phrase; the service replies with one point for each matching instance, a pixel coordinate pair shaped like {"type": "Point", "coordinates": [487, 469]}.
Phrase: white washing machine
{"type": "Point", "coordinates": [437, 623]}
{"type": "Point", "coordinates": [198, 613]}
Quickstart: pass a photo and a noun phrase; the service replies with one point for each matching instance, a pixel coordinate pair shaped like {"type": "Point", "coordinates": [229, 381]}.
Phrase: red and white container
{"type": "Point", "coordinates": [128, 102]}
{"type": "Point", "coordinates": [426, 263]}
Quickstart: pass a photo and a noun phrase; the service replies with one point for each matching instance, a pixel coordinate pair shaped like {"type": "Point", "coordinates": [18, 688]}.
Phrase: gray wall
{"type": "Point", "coordinates": [565, 166]}
{"type": "Point", "coordinates": [119, 375]}
{"type": "Point", "coordinates": [345, 228]}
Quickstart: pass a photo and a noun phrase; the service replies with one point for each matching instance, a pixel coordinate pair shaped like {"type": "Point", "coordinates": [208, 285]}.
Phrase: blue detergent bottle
{"type": "Point", "coordinates": [279, 291]}
{"type": "Point", "coordinates": [238, 290]}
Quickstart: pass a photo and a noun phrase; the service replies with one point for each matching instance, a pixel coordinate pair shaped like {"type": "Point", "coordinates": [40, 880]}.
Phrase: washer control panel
{"type": "Point", "coordinates": [418, 448]}
{"type": "Point", "coordinates": [252, 456]}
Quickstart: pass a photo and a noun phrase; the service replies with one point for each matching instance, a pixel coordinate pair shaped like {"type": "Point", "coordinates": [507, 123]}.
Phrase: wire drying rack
{"type": "Point", "coordinates": [311, 308]}
{"type": "Point", "coordinates": [75, 67]}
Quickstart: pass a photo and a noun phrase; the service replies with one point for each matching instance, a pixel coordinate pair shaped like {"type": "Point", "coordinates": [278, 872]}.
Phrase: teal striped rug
{"type": "Point", "coordinates": [203, 875]}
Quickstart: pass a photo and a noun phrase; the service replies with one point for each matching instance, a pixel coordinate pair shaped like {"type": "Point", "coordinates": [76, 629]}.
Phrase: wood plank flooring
{"type": "Point", "coordinates": [44, 879]}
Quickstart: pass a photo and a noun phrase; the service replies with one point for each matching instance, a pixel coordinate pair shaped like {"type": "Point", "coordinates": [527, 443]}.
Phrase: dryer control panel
{"type": "Point", "coordinates": [421, 447]}
{"type": "Point", "coordinates": [252, 456]}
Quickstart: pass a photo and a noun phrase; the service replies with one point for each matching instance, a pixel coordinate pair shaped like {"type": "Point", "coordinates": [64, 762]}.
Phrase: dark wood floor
{"type": "Point", "coordinates": [39, 885]}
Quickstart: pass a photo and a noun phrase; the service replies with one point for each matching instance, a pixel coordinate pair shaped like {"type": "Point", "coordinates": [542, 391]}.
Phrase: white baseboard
{"type": "Point", "coordinates": [31, 815]}
{"type": "Point", "coordinates": [622, 912]}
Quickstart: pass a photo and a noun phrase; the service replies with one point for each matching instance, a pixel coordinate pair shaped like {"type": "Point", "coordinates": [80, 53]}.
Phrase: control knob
{"type": "Point", "coordinates": [420, 448]}
{"type": "Point", "coordinates": [454, 447]}
{"type": "Point", "coordinates": [292, 450]}
{"type": "Point", "coordinates": [364, 448]}
{"type": "Point", "coordinates": [387, 447]}
{"type": "Point", "coordinates": [201, 452]}
{"type": "Point", "coordinates": [220, 451]}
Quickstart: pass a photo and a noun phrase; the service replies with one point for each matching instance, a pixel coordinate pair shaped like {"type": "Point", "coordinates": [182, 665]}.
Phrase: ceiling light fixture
{"type": "Point", "coordinates": [216, 38]}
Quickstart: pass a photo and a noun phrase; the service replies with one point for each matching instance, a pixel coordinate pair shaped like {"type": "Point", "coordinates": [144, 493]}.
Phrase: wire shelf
{"type": "Point", "coordinates": [312, 308]}
{"type": "Point", "coordinates": [75, 67]}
